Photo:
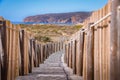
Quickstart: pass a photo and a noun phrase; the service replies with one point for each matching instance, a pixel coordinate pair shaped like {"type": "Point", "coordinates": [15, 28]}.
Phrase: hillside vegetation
{"type": "Point", "coordinates": [51, 33]}
{"type": "Point", "coordinates": [71, 17]}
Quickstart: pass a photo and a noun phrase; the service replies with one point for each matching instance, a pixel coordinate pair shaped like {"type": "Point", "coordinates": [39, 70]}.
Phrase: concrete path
{"type": "Point", "coordinates": [52, 69]}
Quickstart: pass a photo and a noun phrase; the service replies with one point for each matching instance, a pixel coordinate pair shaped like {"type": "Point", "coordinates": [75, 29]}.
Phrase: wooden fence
{"type": "Point", "coordinates": [20, 52]}
{"type": "Point", "coordinates": [94, 51]}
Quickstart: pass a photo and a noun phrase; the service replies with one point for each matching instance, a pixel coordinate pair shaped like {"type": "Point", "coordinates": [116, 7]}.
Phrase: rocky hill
{"type": "Point", "coordinates": [72, 17]}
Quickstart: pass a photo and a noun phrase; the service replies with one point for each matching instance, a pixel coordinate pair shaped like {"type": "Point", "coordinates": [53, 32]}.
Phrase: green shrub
{"type": "Point", "coordinates": [78, 26]}
{"type": "Point", "coordinates": [43, 38]}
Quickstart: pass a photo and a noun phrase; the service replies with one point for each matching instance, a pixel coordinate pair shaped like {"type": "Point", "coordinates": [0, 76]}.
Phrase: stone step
{"type": "Point", "coordinates": [43, 77]}
{"type": "Point", "coordinates": [50, 65]}
{"type": "Point", "coordinates": [53, 68]}
{"type": "Point", "coordinates": [48, 70]}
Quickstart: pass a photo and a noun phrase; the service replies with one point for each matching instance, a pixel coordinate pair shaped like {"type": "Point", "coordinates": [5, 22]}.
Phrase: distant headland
{"type": "Point", "coordinates": [71, 17]}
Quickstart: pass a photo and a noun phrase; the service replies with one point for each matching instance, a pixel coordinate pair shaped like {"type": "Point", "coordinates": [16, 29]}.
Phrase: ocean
{"type": "Point", "coordinates": [63, 24]}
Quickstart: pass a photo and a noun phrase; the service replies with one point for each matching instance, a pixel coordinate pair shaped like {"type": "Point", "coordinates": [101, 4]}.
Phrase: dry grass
{"type": "Point", "coordinates": [50, 33]}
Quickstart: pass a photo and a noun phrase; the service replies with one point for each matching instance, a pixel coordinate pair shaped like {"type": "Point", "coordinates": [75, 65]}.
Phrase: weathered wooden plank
{"type": "Point", "coordinates": [30, 56]}
{"type": "Point", "coordinates": [68, 54]}
{"type": "Point", "coordinates": [45, 52]}
{"type": "Point", "coordinates": [99, 52]}
{"type": "Point", "coordinates": [54, 47]}
{"type": "Point", "coordinates": [1, 51]}
{"type": "Point", "coordinates": [0, 58]}
{"type": "Point", "coordinates": [71, 54]}
{"type": "Point", "coordinates": [35, 53]}
{"type": "Point", "coordinates": [12, 60]}
{"type": "Point", "coordinates": [8, 35]}
{"type": "Point", "coordinates": [114, 42]}
{"type": "Point", "coordinates": [81, 52]}
{"type": "Point", "coordinates": [108, 52]}
{"type": "Point", "coordinates": [76, 47]}
{"type": "Point", "coordinates": [100, 43]}
{"type": "Point", "coordinates": [84, 57]}
{"type": "Point", "coordinates": [26, 51]}
{"type": "Point", "coordinates": [38, 52]}
{"type": "Point", "coordinates": [22, 51]}
{"type": "Point", "coordinates": [81, 48]}
{"type": "Point", "coordinates": [77, 56]}
{"type": "Point", "coordinates": [96, 56]}
{"type": "Point", "coordinates": [9, 74]}
{"type": "Point", "coordinates": [17, 51]}
{"type": "Point", "coordinates": [74, 57]}
{"type": "Point", "coordinates": [89, 55]}
{"type": "Point", "coordinates": [118, 50]}
{"type": "Point", "coordinates": [42, 48]}
{"type": "Point", "coordinates": [103, 53]}
{"type": "Point", "coordinates": [65, 55]}
{"type": "Point", "coordinates": [4, 45]}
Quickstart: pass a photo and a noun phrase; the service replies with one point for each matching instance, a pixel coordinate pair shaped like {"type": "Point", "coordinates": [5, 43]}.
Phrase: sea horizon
{"type": "Point", "coordinates": [33, 23]}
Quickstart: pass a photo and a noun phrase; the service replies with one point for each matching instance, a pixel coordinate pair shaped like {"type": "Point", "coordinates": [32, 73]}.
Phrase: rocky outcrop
{"type": "Point", "coordinates": [73, 17]}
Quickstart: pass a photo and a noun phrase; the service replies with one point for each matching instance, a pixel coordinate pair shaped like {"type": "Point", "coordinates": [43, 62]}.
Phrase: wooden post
{"type": "Point", "coordinates": [24, 53]}
{"type": "Point", "coordinates": [118, 50]}
{"type": "Point", "coordinates": [77, 55]}
{"type": "Point", "coordinates": [1, 51]}
{"type": "Point", "coordinates": [35, 53]}
{"type": "Point", "coordinates": [39, 52]}
{"type": "Point", "coordinates": [89, 68]}
{"type": "Point", "coordinates": [26, 56]}
{"type": "Point", "coordinates": [80, 73]}
{"type": "Point", "coordinates": [84, 57]}
{"type": "Point", "coordinates": [114, 42]}
{"type": "Point", "coordinates": [5, 57]}
{"type": "Point", "coordinates": [42, 47]}
{"type": "Point", "coordinates": [0, 57]}
{"type": "Point", "coordinates": [68, 54]}
{"type": "Point", "coordinates": [45, 49]}
{"type": "Point", "coordinates": [30, 56]}
{"type": "Point", "coordinates": [65, 55]}
{"type": "Point", "coordinates": [96, 55]}
{"type": "Point", "coordinates": [90, 55]}
{"type": "Point", "coordinates": [71, 54]}
{"type": "Point", "coordinates": [17, 51]}
{"type": "Point", "coordinates": [44, 52]}
{"type": "Point", "coordinates": [12, 61]}
{"type": "Point", "coordinates": [74, 56]}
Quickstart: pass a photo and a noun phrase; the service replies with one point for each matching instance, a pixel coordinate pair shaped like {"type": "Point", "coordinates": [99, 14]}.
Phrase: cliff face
{"type": "Point", "coordinates": [73, 17]}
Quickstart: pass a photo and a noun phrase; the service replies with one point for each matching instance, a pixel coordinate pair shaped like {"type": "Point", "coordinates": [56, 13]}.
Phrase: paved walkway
{"type": "Point", "coordinates": [52, 69]}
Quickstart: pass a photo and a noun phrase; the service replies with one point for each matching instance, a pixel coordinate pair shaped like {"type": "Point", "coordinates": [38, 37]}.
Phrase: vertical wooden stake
{"type": "Point", "coordinates": [114, 42]}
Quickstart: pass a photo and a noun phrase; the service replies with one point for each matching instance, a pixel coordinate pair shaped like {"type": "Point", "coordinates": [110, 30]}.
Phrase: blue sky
{"type": "Point", "coordinates": [17, 10]}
